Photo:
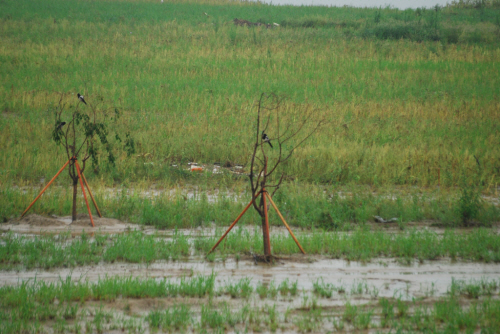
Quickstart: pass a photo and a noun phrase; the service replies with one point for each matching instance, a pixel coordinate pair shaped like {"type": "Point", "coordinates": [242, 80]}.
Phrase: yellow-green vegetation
{"type": "Point", "coordinates": [410, 95]}
{"type": "Point", "coordinates": [328, 208]}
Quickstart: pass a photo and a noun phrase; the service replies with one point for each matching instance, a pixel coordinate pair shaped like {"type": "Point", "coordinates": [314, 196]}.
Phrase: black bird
{"type": "Point", "coordinates": [266, 139]}
{"type": "Point", "coordinates": [60, 126]}
{"type": "Point", "coordinates": [80, 97]}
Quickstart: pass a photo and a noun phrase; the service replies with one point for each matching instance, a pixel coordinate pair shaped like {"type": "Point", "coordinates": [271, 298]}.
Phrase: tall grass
{"type": "Point", "coordinates": [401, 111]}
{"type": "Point", "coordinates": [302, 205]}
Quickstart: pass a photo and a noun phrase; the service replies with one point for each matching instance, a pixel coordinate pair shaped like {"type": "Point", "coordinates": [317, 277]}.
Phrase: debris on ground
{"type": "Point", "coordinates": [379, 219]}
{"type": "Point", "coordinates": [245, 23]}
{"type": "Point", "coordinates": [217, 168]}
{"type": "Point", "coordinates": [193, 166]}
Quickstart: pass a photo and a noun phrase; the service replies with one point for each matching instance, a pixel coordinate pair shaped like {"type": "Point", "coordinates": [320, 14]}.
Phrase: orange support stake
{"type": "Point", "coordinates": [284, 222]}
{"type": "Point", "coordinates": [43, 190]}
{"type": "Point", "coordinates": [232, 225]}
{"type": "Point", "coordinates": [84, 195]}
{"type": "Point", "coordinates": [91, 196]}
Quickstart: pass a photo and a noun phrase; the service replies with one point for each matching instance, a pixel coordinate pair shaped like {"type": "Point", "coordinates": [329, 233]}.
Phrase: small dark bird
{"type": "Point", "coordinates": [60, 126]}
{"type": "Point", "coordinates": [80, 97]}
{"type": "Point", "coordinates": [266, 139]}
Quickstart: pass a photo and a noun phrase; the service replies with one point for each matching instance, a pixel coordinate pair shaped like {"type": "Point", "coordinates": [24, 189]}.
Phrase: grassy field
{"type": "Point", "coordinates": [411, 100]}
{"type": "Point", "coordinates": [328, 208]}
{"type": "Point", "coordinates": [402, 106]}
{"type": "Point", "coordinates": [410, 97]}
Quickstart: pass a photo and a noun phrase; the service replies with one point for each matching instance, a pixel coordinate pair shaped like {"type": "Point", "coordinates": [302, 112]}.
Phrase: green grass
{"type": "Point", "coordinates": [365, 244]}
{"type": "Point", "coordinates": [361, 244]}
{"type": "Point", "coordinates": [176, 318]}
{"type": "Point", "coordinates": [410, 95]}
{"type": "Point", "coordinates": [109, 289]}
{"type": "Point", "coordinates": [302, 205]}
{"type": "Point", "coordinates": [60, 251]}
{"type": "Point", "coordinates": [69, 306]}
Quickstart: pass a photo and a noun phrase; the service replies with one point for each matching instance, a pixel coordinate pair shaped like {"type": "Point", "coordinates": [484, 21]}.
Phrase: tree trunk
{"type": "Point", "coordinates": [265, 229]}
{"type": "Point", "coordinates": [75, 191]}
{"type": "Point", "coordinates": [267, 242]}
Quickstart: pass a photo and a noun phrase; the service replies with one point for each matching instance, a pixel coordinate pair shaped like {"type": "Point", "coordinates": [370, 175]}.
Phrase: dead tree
{"type": "Point", "coordinates": [286, 133]}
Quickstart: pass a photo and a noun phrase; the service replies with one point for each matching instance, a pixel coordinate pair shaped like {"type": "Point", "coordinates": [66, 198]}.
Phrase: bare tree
{"type": "Point", "coordinates": [277, 136]}
{"type": "Point", "coordinates": [84, 134]}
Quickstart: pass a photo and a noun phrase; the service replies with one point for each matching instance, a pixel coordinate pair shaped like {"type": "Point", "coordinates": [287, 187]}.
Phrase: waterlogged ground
{"type": "Point", "coordinates": [236, 293]}
{"type": "Point", "coordinates": [380, 277]}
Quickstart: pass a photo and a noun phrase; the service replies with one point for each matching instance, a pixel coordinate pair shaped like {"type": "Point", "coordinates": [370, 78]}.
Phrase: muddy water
{"type": "Point", "coordinates": [358, 282]}
{"type": "Point", "coordinates": [379, 278]}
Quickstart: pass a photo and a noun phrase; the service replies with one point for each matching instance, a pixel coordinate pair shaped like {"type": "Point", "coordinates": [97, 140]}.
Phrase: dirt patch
{"type": "Point", "coordinates": [36, 224]}
{"type": "Point", "coordinates": [84, 220]}
{"type": "Point", "coordinates": [81, 220]}
{"type": "Point", "coordinates": [37, 220]}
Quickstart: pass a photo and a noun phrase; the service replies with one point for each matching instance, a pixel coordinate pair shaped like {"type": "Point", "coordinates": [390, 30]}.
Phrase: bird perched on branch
{"type": "Point", "coordinates": [266, 139]}
{"type": "Point", "coordinates": [80, 97]}
{"type": "Point", "coordinates": [60, 126]}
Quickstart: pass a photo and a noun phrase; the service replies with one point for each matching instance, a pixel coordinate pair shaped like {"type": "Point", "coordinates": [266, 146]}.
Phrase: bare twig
{"type": "Point", "coordinates": [270, 107]}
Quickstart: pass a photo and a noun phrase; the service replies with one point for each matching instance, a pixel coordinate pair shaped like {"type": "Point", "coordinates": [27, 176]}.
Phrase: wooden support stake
{"type": "Point", "coordinates": [91, 196]}
{"type": "Point", "coordinates": [232, 225]}
{"type": "Point", "coordinates": [43, 190]}
{"type": "Point", "coordinates": [284, 222]}
{"type": "Point", "coordinates": [84, 195]}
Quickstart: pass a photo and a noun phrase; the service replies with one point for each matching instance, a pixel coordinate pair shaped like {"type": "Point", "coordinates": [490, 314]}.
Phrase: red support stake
{"type": "Point", "coordinates": [284, 222]}
{"type": "Point", "coordinates": [84, 195]}
{"type": "Point", "coordinates": [43, 190]}
{"type": "Point", "coordinates": [232, 225]}
{"type": "Point", "coordinates": [91, 196]}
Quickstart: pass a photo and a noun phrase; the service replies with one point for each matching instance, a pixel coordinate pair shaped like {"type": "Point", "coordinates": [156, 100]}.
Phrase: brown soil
{"type": "Point", "coordinates": [84, 220]}
{"type": "Point", "coordinates": [36, 224]}
{"type": "Point", "coordinates": [36, 220]}
{"type": "Point", "coordinates": [81, 220]}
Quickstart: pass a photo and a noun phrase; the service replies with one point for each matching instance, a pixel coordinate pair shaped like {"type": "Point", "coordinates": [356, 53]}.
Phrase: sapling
{"type": "Point", "coordinates": [85, 134]}
{"type": "Point", "coordinates": [287, 134]}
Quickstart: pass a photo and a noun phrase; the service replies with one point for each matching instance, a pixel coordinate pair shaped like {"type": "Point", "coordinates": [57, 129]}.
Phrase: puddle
{"type": "Point", "coordinates": [363, 281]}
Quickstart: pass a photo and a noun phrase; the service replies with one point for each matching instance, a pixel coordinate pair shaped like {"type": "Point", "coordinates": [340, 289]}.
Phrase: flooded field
{"type": "Point", "coordinates": [297, 293]}
{"type": "Point", "coordinates": [381, 277]}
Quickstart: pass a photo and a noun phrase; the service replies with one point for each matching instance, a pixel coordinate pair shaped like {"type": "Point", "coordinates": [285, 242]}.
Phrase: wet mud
{"type": "Point", "coordinates": [36, 224]}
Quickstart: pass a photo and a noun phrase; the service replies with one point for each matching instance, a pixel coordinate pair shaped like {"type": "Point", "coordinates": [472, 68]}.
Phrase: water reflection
{"type": "Point", "coordinates": [400, 4]}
